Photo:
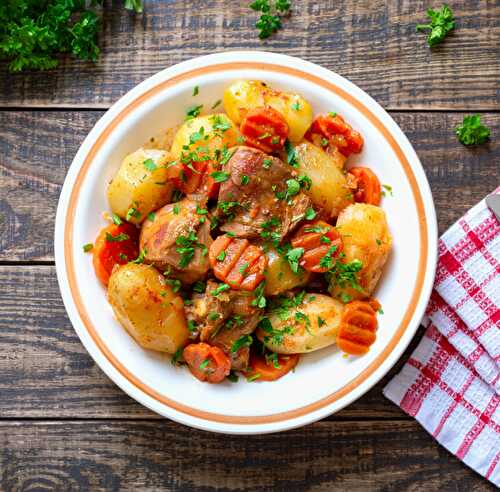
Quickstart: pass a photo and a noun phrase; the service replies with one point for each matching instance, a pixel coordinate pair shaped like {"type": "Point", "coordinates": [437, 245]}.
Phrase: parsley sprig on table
{"type": "Point", "coordinates": [271, 13]}
{"type": "Point", "coordinates": [471, 131]}
{"type": "Point", "coordinates": [441, 23]}
{"type": "Point", "coordinates": [33, 32]}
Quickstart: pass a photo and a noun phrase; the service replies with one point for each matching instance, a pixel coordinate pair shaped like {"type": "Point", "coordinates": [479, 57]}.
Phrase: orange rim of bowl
{"type": "Point", "coordinates": [211, 416]}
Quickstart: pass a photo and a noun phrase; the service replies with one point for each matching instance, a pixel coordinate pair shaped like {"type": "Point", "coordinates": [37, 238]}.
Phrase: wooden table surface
{"type": "Point", "coordinates": [63, 424]}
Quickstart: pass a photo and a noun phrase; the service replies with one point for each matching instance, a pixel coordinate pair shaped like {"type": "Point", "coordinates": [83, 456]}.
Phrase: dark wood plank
{"type": "Point", "coordinates": [114, 456]}
{"type": "Point", "coordinates": [36, 148]}
{"type": "Point", "coordinates": [46, 372]}
{"type": "Point", "coordinates": [373, 43]}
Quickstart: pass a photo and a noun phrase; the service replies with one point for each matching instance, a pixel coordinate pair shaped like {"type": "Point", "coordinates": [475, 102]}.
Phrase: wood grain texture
{"type": "Point", "coordinates": [37, 147]}
{"type": "Point", "coordinates": [47, 373]}
{"type": "Point", "coordinates": [325, 456]}
{"type": "Point", "coordinates": [373, 43]}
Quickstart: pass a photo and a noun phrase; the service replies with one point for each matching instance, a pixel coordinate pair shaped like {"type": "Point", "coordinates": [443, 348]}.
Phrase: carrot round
{"type": "Point", "coordinates": [265, 129]}
{"type": "Point", "coordinates": [318, 239]}
{"type": "Point", "coordinates": [237, 262]}
{"type": "Point", "coordinates": [115, 245]}
{"type": "Point", "coordinates": [207, 363]}
{"type": "Point", "coordinates": [334, 131]}
{"type": "Point", "coordinates": [262, 369]}
{"type": "Point", "coordinates": [367, 185]}
{"type": "Point", "coordinates": [358, 327]}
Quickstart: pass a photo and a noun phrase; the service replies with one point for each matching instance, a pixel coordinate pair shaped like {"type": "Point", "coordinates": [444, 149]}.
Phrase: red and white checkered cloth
{"type": "Point", "coordinates": [451, 383]}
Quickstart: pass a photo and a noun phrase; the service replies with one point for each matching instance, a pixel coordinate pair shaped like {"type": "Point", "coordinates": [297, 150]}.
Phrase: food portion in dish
{"type": "Point", "coordinates": [242, 239]}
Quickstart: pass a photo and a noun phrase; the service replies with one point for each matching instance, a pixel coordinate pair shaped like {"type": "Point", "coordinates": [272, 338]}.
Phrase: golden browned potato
{"type": "Point", "coordinates": [312, 325]}
{"type": "Point", "coordinates": [140, 185]}
{"type": "Point", "coordinates": [279, 275]}
{"type": "Point", "coordinates": [210, 133]}
{"type": "Point", "coordinates": [243, 95]}
{"type": "Point", "coordinates": [367, 239]}
{"type": "Point", "coordinates": [148, 308]}
{"type": "Point", "coordinates": [329, 188]}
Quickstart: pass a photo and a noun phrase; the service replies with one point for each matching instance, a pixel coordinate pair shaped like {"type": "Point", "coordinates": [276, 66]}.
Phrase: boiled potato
{"type": "Point", "coordinates": [329, 188]}
{"type": "Point", "coordinates": [215, 131]}
{"type": "Point", "coordinates": [148, 308]}
{"type": "Point", "coordinates": [315, 327]}
{"type": "Point", "coordinates": [162, 140]}
{"type": "Point", "coordinates": [140, 185]}
{"type": "Point", "coordinates": [279, 275]}
{"type": "Point", "coordinates": [366, 238]}
{"type": "Point", "coordinates": [243, 95]}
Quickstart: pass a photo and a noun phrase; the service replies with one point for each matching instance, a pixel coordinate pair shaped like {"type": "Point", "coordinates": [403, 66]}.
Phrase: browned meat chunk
{"type": "Point", "coordinates": [224, 318]}
{"type": "Point", "coordinates": [176, 238]}
{"type": "Point", "coordinates": [257, 192]}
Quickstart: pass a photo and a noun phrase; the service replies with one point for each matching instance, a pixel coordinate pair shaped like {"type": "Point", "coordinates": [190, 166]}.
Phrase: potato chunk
{"type": "Point", "coordinates": [140, 185]}
{"type": "Point", "coordinates": [243, 95]}
{"type": "Point", "coordinates": [209, 133]}
{"type": "Point", "coordinates": [148, 308]}
{"type": "Point", "coordinates": [366, 238]}
{"type": "Point", "coordinates": [279, 275]}
{"type": "Point", "coordinates": [329, 189]}
{"type": "Point", "coordinates": [312, 325]}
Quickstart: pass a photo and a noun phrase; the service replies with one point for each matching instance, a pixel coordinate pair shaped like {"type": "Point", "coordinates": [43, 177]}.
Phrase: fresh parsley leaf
{"type": "Point", "coordinates": [291, 154]}
{"type": "Point", "coordinates": [245, 179]}
{"type": "Point", "coordinates": [218, 290]}
{"type": "Point", "coordinates": [87, 247]}
{"type": "Point", "coordinates": [296, 106]}
{"type": "Point", "coordinates": [118, 238]}
{"type": "Point", "coordinates": [293, 257]}
{"type": "Point", "coordinates": [151, 216]}
{"type": "Point", "coordinates": [204, 364]}
{"type": "Point", "coordinates": [175, 284]}
{"type": "Point", "coordinates": [233, 377]}
{"type": "Point", "coordinates": [194, 112]}
{"type": "Point", "coordinates": [176, 209]}
{"type": "Point", "coordinates": [116, 219]}
{"type": "Point", "coordinates": [327, 261]}
{"type": "Point", "coordinates": [177, 356]}
{"type": "Point", "coordinates": [220, 176]}
{"type": "Point", "coordinates": [150, 165]}
{"type": "Point", "coordinates": [243, 341]}
{"type": "Point", "coordinates": [196, 90]}
{"type": "Point", "coordinates": [293, 187]}
{"type": "Point", "coordinates": [132, 212]}
{"type": "Point", "coordinates": [259, 299]}
{"type": "Point", "coordinates": [221, 256]}
{"type": "Point", "coordinates": [141, 257]}
{"type": "Point", "coordinates": [310, 214]}
{"type": "Point", "coordinates": [441, 23]}
{"type": "Point", "coordinates": [216, 103]}
{"type": "Point", "coordinates": [471, 131]}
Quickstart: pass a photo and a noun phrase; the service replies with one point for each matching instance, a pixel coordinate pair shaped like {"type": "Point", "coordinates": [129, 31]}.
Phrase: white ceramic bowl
{"type": "Point", "coordinates": [324, 381]}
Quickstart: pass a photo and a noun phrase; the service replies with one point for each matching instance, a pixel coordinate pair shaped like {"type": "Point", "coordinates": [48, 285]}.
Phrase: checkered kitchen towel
{"type": "Point", "coordinates": [451, 383]}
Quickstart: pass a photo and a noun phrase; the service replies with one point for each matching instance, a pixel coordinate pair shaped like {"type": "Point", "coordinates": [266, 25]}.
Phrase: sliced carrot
{"type": "Point", "coordinates": [207, 363]}
{"type": "Point", "coordinates": [318, 239]}
{"type": "Point", "coordinates": [237, 262]}
{"type": "Point", "coordinates": [265, 129]}
{"type": "Point", "coordinates": [358, 326]}
{"type": "Point", "coordinates": [367, 185]}
{"type": "Point", "coordinates": [334, 131]}
{"type": "Point", "coordinates": [262, 369]}
{"type": "Point", "coordinates": [115, 245]}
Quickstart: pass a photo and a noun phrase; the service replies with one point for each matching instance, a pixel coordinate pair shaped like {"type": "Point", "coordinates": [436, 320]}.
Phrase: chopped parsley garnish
{"type": "Point", "coordinates": [378, 241]}
{"type": "Point", "coordinates": [441, 23]}
{"type": "Point", "coordinates": [176, 209]}
{"type": "Point", "coordinates": [213, 316]}
{"type": "Point", "coordinates": [177, 356]}
{"type": "Point", "coordinates": [175, 284]}
{"type": "Point", "coordinates": [151, 216]}
{"type": "Point", "coordinates": [220, 289]}
{"type": "Point", "coordinates": [291, 154]}
{"type": "Point", "coordinates": [191, 326]}
{"type": "Point", "coordinates": [132, 212]}
{"type": "Point", "coordinates": [321, 322]}
{"type": "Point", "coordinates": [243, 341]}
{"type": "Point", "coordinates": [141, 257]}
{"type": "Point", "coordinates": [266, 163]}
{"type": "Point", "coordinates": [296, 106]}
{"type": "Point", "coordinates": [116, 239]}
{"type": "Point", "coordinates": [263, 136]}
{"type": "Point", "coordinates": [345, 298]}
{"type": "Point", "coordinates": [317, 228]}
{"type": "Point", "coordinates": [201, 211]}
{"type": "Point", "coordinates": [186, 246]}
{"type": "Point", "coordinates": [268, 234]}
{"type": "Point", "coordinates": [259, 300]}
{"type": "Point", "coordinates": [272, 358]}
{"type": "Point", "coordinates": [305, 182]}
{"type": "Point", "coordinates": [293, 187]}
{"type": "Point", "coordinates": [327, 261]}
{"type": "Point", "coordinates": [220, 176]}
{"type": "Point", "coordinates": [216, 103]}
{"type": "Point", "coordinates": [194, 112]}
{"type": "Point", "coordinates": [204, 364]}
{"type": "Point", "coordinates": [226, 155]}
{"type": "Point", "coordinates": [388, 188]}
{"type": "Point", "coordinates": [220, 123]}
{"type": "Point", "coordinates": [150, 165]}
{"type": "Point", "coordinates": [274, 336]}
{"type": "Point", "coordinates": [196, 90]}
{"type": "Point", "coordinates": [253, 377]}
{"type": "Point", "coordinates": [221, 256]}
{"type": "Point", "coordinates": [245, 179]}
{"type": "Point", "coordinates": [471, 131]}
{"type": "Point", "coordinates": [332, 114]}
{"type": "Point", "coordinates": [344, 274]}
{"type": "Point", "coordinates": [380, 311]}
{"type": "Point", "coordinates": [243, 268]}
{"type": "Point", "coordinates": [199, 287]}
{"type": "Point", "coordinates": [116, 219]}
{"type": "Point", "coordinates": [233, 377]}
{"type": "Point", "coordinates": [310, 214]}
{"type": "Point", "coordinates": [293, 256]}
{"type": "Point", "coordinates": [87, 247]}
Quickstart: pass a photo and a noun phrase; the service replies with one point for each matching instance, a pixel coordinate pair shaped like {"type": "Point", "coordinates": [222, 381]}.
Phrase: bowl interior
{"type": "Point", "coordinates": [318, 374]}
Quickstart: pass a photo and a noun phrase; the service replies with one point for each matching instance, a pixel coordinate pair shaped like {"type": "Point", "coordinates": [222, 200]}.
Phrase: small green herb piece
{"type": "Point", "coordinates": [291, 154]}
{"type": "Point", "coordinates": [132, 212]}
{"type": "Point", "coordinates": [243, 268]}
{"type": "Point", "coordinates": [175, 284]}
{"type": "Point", "coordinates": [186, 246]}
{"type": "Point", "coordinates": [221, 256]}
{"type": "Point", "coordinates": [176, 209]}
{"type": "Point", "coordinates": [194, 112]}
{"type": "Point", "coordinates": [150, 165]}
{"type": "Point", "coordinates": [177, 356]}
{"type": "Point", "coordinates": [380, 311]}
{"type": "Point", "coordinates": [327, 261]}
{"type": "Point", "coordinates": [441, 23]}
{"type": "Point", "coordinates": [243, 341]}
{"type": "Point", "coordinates": [213, 316]}
{"type": "Point", "coordinates": [266, 163]}
{"type": "Point", "coordinates": [471, 131]}
{"type": "Point", "coordinates": [296, 106]}
{"type": "Point", "coordinates": [332, 114]}
{"type": "Point", "coordinates": [116, 239]}
{"type": "Point", "coordinates": [378, 241]}
{"type": "Point", "coordinates": [220, 176]}
{"type": "Point", "coordinates": [293, 257]}
{"type": "Point", "coordinates": [151, 216]}
{"type": "Point", "coordinates": [272, 358]}
{"type": "Point", "coordinates": [345, 298]}
{"type": "Point", "coordinates": [293, 187]}
{"type": "Point", "coordinates": [220, 289]}
{"type": "Point", "coordinates": [199, 287]}
{"type": "Point", "coordinates": [321, 322]}
{"type": "Point", "coordinates": [253, 377]}
{"type": "Point", "coordinates": [204, 364]}
{"type": "Point", "coordinates": [259, 299]}
{"type": "Point", "coordinates": [196, 90]}
{"type": "Point", "coordinates": [245, 179]}
{"type": "Point", "coordinates": [141, 257]}
{"type": "Point", "coordinates": [233, 377]}
{"type": "Point", "coordinates": [274, 336]}
{"type": "Point", "coordinates": [216, 103]}
{"type": "Point", "coordinates": [116, 219]}
{"type": "Point", "coordinates": [191, 326]}
{"type": "Point", "coordinates": [310, 214]}
{"type": "Point", "coordinates": [88, 247]}
{"type": "Point", "coordinates": [388, 188]}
